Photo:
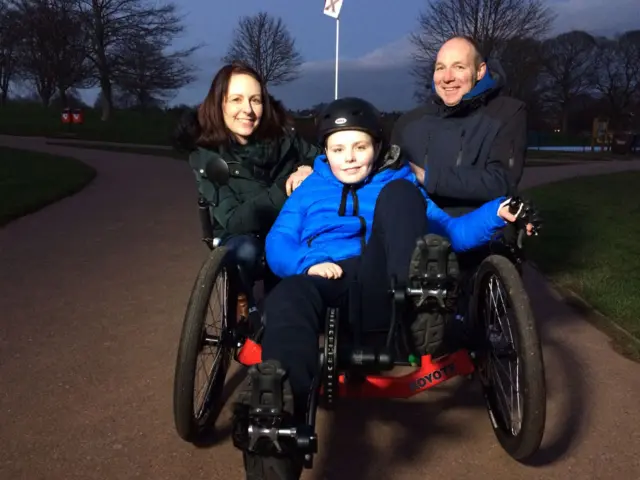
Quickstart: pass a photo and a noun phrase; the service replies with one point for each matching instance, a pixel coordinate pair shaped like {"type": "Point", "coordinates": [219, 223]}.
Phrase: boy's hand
{"type": "Point", "coordinates": [326, 270]}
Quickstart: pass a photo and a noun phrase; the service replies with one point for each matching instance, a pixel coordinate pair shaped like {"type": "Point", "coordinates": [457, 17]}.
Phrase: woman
{"type": "Point", "coordinates": [241, 123]}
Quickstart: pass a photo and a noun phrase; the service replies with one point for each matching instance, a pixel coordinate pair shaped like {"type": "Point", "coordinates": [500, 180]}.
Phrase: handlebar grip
{"type": "Point", "coordinates": [515, 205]}
{"type": "Point", "coordinates": [205, 218]}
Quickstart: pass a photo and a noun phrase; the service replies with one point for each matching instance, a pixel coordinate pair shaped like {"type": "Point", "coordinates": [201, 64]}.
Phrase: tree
{"type": "Point", "coordinates": [569, 71]}
{"type": "Point", "coordinates": [33, 22]}
{"type": "Point", "coordinates": [149, 76]}
{"type": "Point", "coordinates": [265, 44]}
{"type": "Point", "coordinates": [9, 41]}
{"type": "Point", "coordinates": [618, 71]}
{"type": "Point", "coordinates": [114, 24]}
{"type": "Point", "coordinates": [491, 23]}
{"type": "Point", "coordinates": [522, 61]}
{"type": "Point", "coordinates": [69, 48]}
{"type": "Point", "coordinates": [52, 46]}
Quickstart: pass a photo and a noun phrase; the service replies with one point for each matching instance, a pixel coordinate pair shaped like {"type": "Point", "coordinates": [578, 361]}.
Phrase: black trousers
{"type": "Point", "coordinates": [296, 307]}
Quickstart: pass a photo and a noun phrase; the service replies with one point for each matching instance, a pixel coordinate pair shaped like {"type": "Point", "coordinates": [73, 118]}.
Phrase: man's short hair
{"type": "Point", "coordinates": [478, 57]}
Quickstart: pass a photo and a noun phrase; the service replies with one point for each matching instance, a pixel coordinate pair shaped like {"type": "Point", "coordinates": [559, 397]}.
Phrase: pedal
{"type": "Point", "coordinates": [436, 261]}
{"type": "Point", "coordinates": [260, 414]}
{"type": "Point", "coordinates": [267, 380]}
{"type": "Point", "coordinates": [434, 268]}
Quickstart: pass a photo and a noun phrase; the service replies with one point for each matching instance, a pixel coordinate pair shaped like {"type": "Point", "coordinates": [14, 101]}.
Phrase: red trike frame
{"type": "Point", "coordinates": [430, 373]}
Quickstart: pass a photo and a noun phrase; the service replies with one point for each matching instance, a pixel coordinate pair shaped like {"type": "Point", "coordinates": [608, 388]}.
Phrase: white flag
{"type": "Point", "coordinates": [332, 8]}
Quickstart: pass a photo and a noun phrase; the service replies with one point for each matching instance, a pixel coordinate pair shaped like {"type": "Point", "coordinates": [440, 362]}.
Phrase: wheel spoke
{"type": "Point", "coordinates": [213, 344]}
{"type": "Point", "coordinates": [501, 340]}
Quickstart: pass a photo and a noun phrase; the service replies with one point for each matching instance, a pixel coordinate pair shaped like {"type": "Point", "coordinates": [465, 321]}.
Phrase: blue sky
{"type": "Point", "coordinates": [374, 47]}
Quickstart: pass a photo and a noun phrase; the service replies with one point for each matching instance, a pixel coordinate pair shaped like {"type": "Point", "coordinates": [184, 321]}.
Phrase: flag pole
{"type": "Point", "coordinates": [332, 9]}
{"type": "Point", "coordinates": [337, 50]}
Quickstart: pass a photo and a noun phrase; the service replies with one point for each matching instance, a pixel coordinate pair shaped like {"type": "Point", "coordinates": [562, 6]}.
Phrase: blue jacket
{"type": "Point", "coordinates": [309, 229]}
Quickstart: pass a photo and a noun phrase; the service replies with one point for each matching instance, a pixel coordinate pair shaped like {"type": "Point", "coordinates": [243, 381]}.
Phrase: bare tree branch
{"type": "Point", "coordinates": [618, 71]}
{"type": "Point", "coordinates": [9, 44]}
{"type": "Point", "coordinates": [265, 44]}
{"type": "Point", "coordinates": [149, 76]}
{"type": "Point", "coordinates": [569, 70]}
{"type": "Point", "coordinates": [115, 25]}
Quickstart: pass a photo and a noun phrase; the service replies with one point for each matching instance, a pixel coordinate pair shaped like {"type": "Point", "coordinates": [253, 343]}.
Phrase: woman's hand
{"type": "Point", "coordinates": [326, 270]}
{"type": "Point", "coordinates": [419, 172]}
{"type": "Point", "coordinates": [297, 177]}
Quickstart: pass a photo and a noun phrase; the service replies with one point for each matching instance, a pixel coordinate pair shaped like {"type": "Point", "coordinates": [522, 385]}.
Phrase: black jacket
{"type": "Point", "coordinates": [250, 202]}
{"type": "Point", "coordinates": [472, 152]}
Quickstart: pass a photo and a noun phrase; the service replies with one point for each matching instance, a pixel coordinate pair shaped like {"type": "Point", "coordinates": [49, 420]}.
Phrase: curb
{"type": "Point", "coordinates": [578, 303]}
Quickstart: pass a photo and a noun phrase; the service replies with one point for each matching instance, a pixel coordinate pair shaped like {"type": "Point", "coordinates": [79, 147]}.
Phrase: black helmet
{"type": "Point", "coordinates": [349, 113]}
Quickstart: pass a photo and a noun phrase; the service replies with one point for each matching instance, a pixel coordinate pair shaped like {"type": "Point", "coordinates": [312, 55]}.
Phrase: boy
{"type": "Point", "coordinates": [357, 217]}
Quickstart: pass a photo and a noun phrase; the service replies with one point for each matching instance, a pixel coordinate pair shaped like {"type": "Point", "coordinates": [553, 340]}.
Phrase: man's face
{"type": "Point", "coordinates": [455, 73]}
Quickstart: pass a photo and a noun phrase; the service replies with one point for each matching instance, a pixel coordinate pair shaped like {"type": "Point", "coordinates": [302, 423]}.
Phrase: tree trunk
{"type": "Point", "coordinates": [64, 100]}
{"type": "Point", "coordinates": [565, 119]}
{"type": "Point", "coordinates": [107, 99]}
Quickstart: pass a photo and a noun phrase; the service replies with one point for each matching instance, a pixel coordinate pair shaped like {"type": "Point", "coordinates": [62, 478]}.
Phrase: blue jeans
{"type": "Point", "coordinates": [247, 251]}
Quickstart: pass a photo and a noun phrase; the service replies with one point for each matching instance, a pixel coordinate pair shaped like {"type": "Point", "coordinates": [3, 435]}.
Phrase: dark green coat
{"type": "Point", "coordinates": [255, 193]}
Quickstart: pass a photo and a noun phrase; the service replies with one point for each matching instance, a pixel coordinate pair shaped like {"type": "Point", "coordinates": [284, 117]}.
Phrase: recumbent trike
{"type": "Point", "coordinates": [499, 339]}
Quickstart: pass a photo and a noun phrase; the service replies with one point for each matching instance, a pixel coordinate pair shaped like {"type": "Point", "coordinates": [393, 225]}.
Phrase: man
{"type": "Point", "coordinates": [468, 144]}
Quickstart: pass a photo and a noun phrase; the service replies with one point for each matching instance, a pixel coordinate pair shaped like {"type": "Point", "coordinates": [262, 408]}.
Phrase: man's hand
{"type": "Point", "coordinates": [297, 177]}
{"type": "Point", "coordinates": [326, 270]}
{"type": "Point", "coordinates": [418, 172]}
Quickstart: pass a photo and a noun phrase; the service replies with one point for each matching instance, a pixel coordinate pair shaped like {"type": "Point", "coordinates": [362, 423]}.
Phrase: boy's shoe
{"type": "Point", "coordinates": [265, 400]}
{"type": "Point", "coordinates": [433, 265]}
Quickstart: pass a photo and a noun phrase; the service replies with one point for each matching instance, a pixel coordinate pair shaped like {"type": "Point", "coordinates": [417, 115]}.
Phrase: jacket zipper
{"type": "Point", "coordinates": [459, 159]}
{"type": "Point", "coordinates": [346, 190]}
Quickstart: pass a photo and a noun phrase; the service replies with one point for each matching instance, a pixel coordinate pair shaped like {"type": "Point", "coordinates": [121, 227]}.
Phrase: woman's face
{"type": "Point", "coordinates": [350, 154]}
{"type": "Point", "coordinates": [242, 107]}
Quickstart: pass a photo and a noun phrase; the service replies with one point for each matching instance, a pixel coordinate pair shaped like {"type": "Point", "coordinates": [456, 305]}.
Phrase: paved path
{"type": "Point", "coordinates": [92, 294]}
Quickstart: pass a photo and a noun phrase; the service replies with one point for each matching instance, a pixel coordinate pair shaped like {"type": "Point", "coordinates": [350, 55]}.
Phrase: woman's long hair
{"type": "Point", "coordinates": [212, 130]}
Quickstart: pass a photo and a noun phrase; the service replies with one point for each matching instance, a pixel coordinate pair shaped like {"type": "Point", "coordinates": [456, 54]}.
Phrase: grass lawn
{"type": "Point", "coordinates": [591, 244]}
{"type": "Point", "coordinates": [30, 181]}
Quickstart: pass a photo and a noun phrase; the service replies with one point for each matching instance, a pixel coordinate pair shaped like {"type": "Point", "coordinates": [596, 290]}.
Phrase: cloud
{"type": "Point", "coordinates": [381, 76]}
{"type": "Point", "coordinates": [391, 55]}
{"type": "Point", "coordinates": [597, 17]}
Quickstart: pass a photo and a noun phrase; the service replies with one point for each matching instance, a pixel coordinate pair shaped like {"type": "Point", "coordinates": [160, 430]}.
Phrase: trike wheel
{"type": "Point", "coordinates": [206, 346]}
{"type": "Point", "coordinates": [510, 363]}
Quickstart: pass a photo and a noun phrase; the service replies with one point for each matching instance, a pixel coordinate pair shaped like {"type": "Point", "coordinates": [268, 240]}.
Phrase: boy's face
{"type": "Point", "coordinates": [350, 154]}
